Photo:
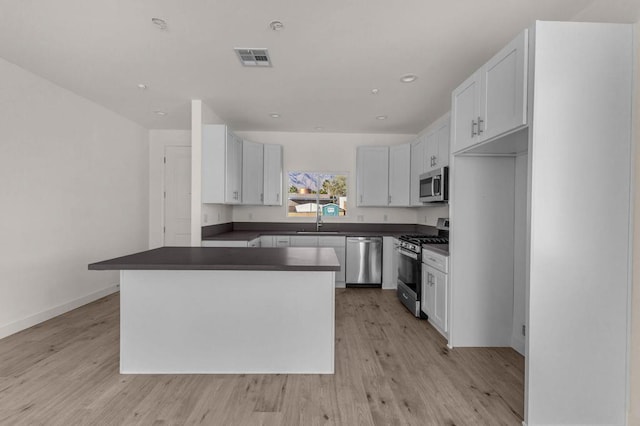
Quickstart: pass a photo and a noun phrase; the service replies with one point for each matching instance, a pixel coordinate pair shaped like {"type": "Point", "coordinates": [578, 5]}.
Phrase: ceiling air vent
{"type": "Point", "coordinates": [254, 57]}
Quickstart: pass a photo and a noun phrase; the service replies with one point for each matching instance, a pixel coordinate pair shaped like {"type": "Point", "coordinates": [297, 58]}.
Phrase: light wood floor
{"type": "Point", "coordinates": [391, 369]}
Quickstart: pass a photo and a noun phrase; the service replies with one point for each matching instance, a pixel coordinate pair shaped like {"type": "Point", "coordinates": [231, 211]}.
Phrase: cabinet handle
{"type": "Point", "coordinates": [473, 128]}
{"type": "Point", "coordinates": [277, 196]}
{"type": "Point", "coordinates": [361, 198]}
{"type": "Point", "coordinates": [480, 130]}
{"type": "Point", "coordinates": [389, 200]}
{"type": "Point", "coordinates": [435, 160]}
{"type": "Point", "coordinates": [262, 198]}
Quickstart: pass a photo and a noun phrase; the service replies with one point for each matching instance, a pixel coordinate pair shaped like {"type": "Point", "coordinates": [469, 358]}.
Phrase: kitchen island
{"type": "Point", "coordinates": [189, 310]}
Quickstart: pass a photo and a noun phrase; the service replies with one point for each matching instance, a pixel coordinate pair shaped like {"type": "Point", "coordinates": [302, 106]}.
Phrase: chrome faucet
{"type": "Point", "coordinates": [318, 218]}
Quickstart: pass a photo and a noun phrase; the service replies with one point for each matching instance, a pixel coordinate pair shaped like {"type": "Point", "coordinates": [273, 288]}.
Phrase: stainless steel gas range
{"type": "Point", "coordinates": [409, 261]}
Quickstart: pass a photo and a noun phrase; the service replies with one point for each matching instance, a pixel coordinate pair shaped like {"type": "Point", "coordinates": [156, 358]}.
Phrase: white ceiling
{"type": "Point", "coordinates": [327, 59]}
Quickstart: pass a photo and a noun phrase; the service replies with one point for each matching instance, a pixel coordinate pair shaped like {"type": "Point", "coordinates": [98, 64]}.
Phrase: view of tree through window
{"type": "Point", "coordinates": [312, 193]}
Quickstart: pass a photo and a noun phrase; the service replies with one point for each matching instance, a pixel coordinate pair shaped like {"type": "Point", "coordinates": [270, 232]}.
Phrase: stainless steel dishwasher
{"type": "Point", "coordinates": [364, 262]}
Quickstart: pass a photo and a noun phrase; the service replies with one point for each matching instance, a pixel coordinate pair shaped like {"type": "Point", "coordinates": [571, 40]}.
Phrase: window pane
{"type": "Point", "coordinates": [311, 193]}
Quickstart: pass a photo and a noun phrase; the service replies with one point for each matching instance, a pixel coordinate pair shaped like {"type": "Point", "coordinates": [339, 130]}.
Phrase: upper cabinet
{"type": "Point", "coordinates": [252, 172]}
{"type": "Point", "coordinates": [239, 172]}
{"type": "Point", "coordinates": [429, 152]}
{"type": "Point", "coordinates": [372, 176]}
{"type": "Point", "coordinates": [492, 101]}
{"type": "Point", "coordinates": [383, 175]}
{"type": "Point", "coordinates": [221, 165]}
{"type": "Point", "coordinates": [233, 164]}
{"type": "Point", "coordinates": [399, 175]}
{"type": "Point", "coordinates": [272, 175]}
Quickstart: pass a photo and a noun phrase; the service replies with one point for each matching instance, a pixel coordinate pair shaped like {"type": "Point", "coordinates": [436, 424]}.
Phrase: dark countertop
{"type": "Point", "coordinates": [226, 258]}
{"type": "Point", "coordinates": [246, 231]}
{"type": "Point", "coordinates": [250, 235]}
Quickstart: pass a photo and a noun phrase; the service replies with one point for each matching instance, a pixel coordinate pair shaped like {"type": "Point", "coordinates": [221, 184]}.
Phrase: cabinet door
{"type": "Point", "coordinates": [372, 176]}
{"type": "Point", "coordinates": [224, 243]}
{"type": "Point", "coordinates": [266, 241]}
{"type": "Point", "coordinates": [281, 240]}
{"type": "Point", "coordinates": [505, 89]}
{"type": "Point", "coordinates": [213, 163]}
{"type": "Point", "coordinates": [272, 175]}
{"type": "Point", "coordinates": [431, 150]}
{"type": "Point", "coordinates": [233, 166]}
{"type": "Point", "coordinates": [399, 175]}
{"type": "Point", "coordinates": [417, 168]}
{"type": "Point", "coordinates": [427, 302]}
{"type": "Point", "coordinates": [252, 173]}
{"type": "Point", "coordinates": [340, 275]}
{"type": "Point", "coordinates": [443, 134]}
{"type": "Point", "coordinates": [303, 241]}
{"type": "Point", "coordinates": [465, 110]}
{"type": "Point", "coordinates": [440, 306]}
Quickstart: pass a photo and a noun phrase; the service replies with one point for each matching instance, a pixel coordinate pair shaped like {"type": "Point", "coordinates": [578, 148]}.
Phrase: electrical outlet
{"type": "Point", "coordinates": [218, 216]}
{"type": "Point", "coordinates": [425, 219]}
{"type": "Point", "coordinates": [250, 216]}
{"type": "Point", "coordinates": [360, 218]}
{"type": "Point", "coordinates": [384, 218]}
{"type": "Point", "coordinates": [206, 218]}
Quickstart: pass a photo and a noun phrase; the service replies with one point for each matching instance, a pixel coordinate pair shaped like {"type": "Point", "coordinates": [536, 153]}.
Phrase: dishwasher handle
{"type": "Point", "coordinates": [363, 240]}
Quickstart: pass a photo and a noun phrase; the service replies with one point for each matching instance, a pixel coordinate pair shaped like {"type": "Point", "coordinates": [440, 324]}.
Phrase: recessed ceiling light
{"type": "Point", "coordinates": [374, 91]}
{"type": "Point", "coordinates": [142, 86]}
{"type": "Point", "coordinates": [161, 23]}
{"type": "Point", "coordinates": [318, 128]}
{"type": "Point", "coordinates": [381, 117]}
{"type": "Point", "coordinates": [408, 78]}
{"type": "Point", "coordinates": [276, 25]}
{"type": "Point", "coordinates": [274, 115]}
{"type": "Point", "coordinates": [158, 112]}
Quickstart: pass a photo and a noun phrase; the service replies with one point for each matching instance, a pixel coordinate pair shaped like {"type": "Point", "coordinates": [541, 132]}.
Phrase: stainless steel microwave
{"type": "Point", "coordinates": [434, 186]}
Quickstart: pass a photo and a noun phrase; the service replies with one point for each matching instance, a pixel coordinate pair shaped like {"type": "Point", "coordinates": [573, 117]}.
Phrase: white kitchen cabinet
{"type": "Point", "coordinates": [437, 144]}
{"type": "Point", "coordinates": [465, 110]}
{"type": "Point", "coordinates": [233, 163]}
{"type": "Point", "coordinates": [281, 241]}
{"type": "Point", "coordinates": [435, 298]}
{"type": "Point", "coordinates": [221, 165]}
{"type": "Point", "coordinates": [272, 175]}
{"type": "Point", "coordinates": [418, 148]}
{"type": "Point", "coordinates": [266, 241]}
{"type": "Point", "coordinates": [252, 173]}
{"type": "Point", "coordinates": [492, 102]}
{"type": "Point", "coordinates": [372, 176]}
{"type": "Point", "coordinates": [339, 245]}
{"type": "Point", "coordinates": [389, 263]}
{"type": "Point", "coordinates": [399, 175]}
{"type": "Point", "coordinates": [303, 241]}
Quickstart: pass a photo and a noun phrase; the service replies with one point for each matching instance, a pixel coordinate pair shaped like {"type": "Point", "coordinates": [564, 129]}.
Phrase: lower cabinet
{"type": "Point", "coordinates": [435, 301]}
{"type": "Point", "coordinates": [389, 263]}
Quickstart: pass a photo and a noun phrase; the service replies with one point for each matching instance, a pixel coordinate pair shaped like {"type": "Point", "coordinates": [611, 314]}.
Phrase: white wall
{"type": "Point", "coordinates": [331, 152]}
{"type": "Point", "coordinates": [158, 141]}
{"type": "Point", "coordinates": [74, 191]}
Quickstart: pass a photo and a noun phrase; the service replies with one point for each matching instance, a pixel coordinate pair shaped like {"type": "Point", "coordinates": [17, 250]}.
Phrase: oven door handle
{"type": "Point", "coordinates": [407, 253]}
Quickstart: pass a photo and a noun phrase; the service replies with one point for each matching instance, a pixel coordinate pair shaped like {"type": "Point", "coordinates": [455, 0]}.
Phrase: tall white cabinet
{"type": "Point", "coordinates": [272, 175]}
{"type": "Point", "coordinates": [576, 255]}
{"type": "Point", "coordinates": [252, 173]}
{"type": "Point", "coordinates": [372, 175]}
{"type": "Point", "coordinates": [221, 165]}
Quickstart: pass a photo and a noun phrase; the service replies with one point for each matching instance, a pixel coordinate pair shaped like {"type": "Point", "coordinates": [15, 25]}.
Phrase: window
{"type": "Point", "coordinates": [312, 193]}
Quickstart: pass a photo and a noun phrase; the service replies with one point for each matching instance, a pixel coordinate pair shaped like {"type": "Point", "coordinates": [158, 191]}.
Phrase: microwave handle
{"type": "Point", "coordinates": [433, 186]}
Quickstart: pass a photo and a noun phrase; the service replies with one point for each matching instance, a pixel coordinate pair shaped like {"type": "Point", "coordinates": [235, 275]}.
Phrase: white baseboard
{"type": "Point", "coordinates": [32, 320]}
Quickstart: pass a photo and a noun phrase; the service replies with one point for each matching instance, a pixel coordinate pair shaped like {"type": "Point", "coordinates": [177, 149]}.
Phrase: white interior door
{"type": "Point", "coordinates": [177, 196]}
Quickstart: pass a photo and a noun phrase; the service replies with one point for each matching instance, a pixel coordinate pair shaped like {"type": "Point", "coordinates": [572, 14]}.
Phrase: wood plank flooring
{"type": "Point", "coordinates": [391, 369]}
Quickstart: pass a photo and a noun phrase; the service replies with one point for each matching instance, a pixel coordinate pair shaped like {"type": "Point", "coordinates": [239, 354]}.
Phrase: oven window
{"type": "Point", "coordinates": [408, 271]}
{"type": "Point", "coordinates": [425, 187]}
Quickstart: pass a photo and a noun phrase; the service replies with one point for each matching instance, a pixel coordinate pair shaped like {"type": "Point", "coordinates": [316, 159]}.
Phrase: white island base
{"type": "Point", "coordinates": [226, 321]}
